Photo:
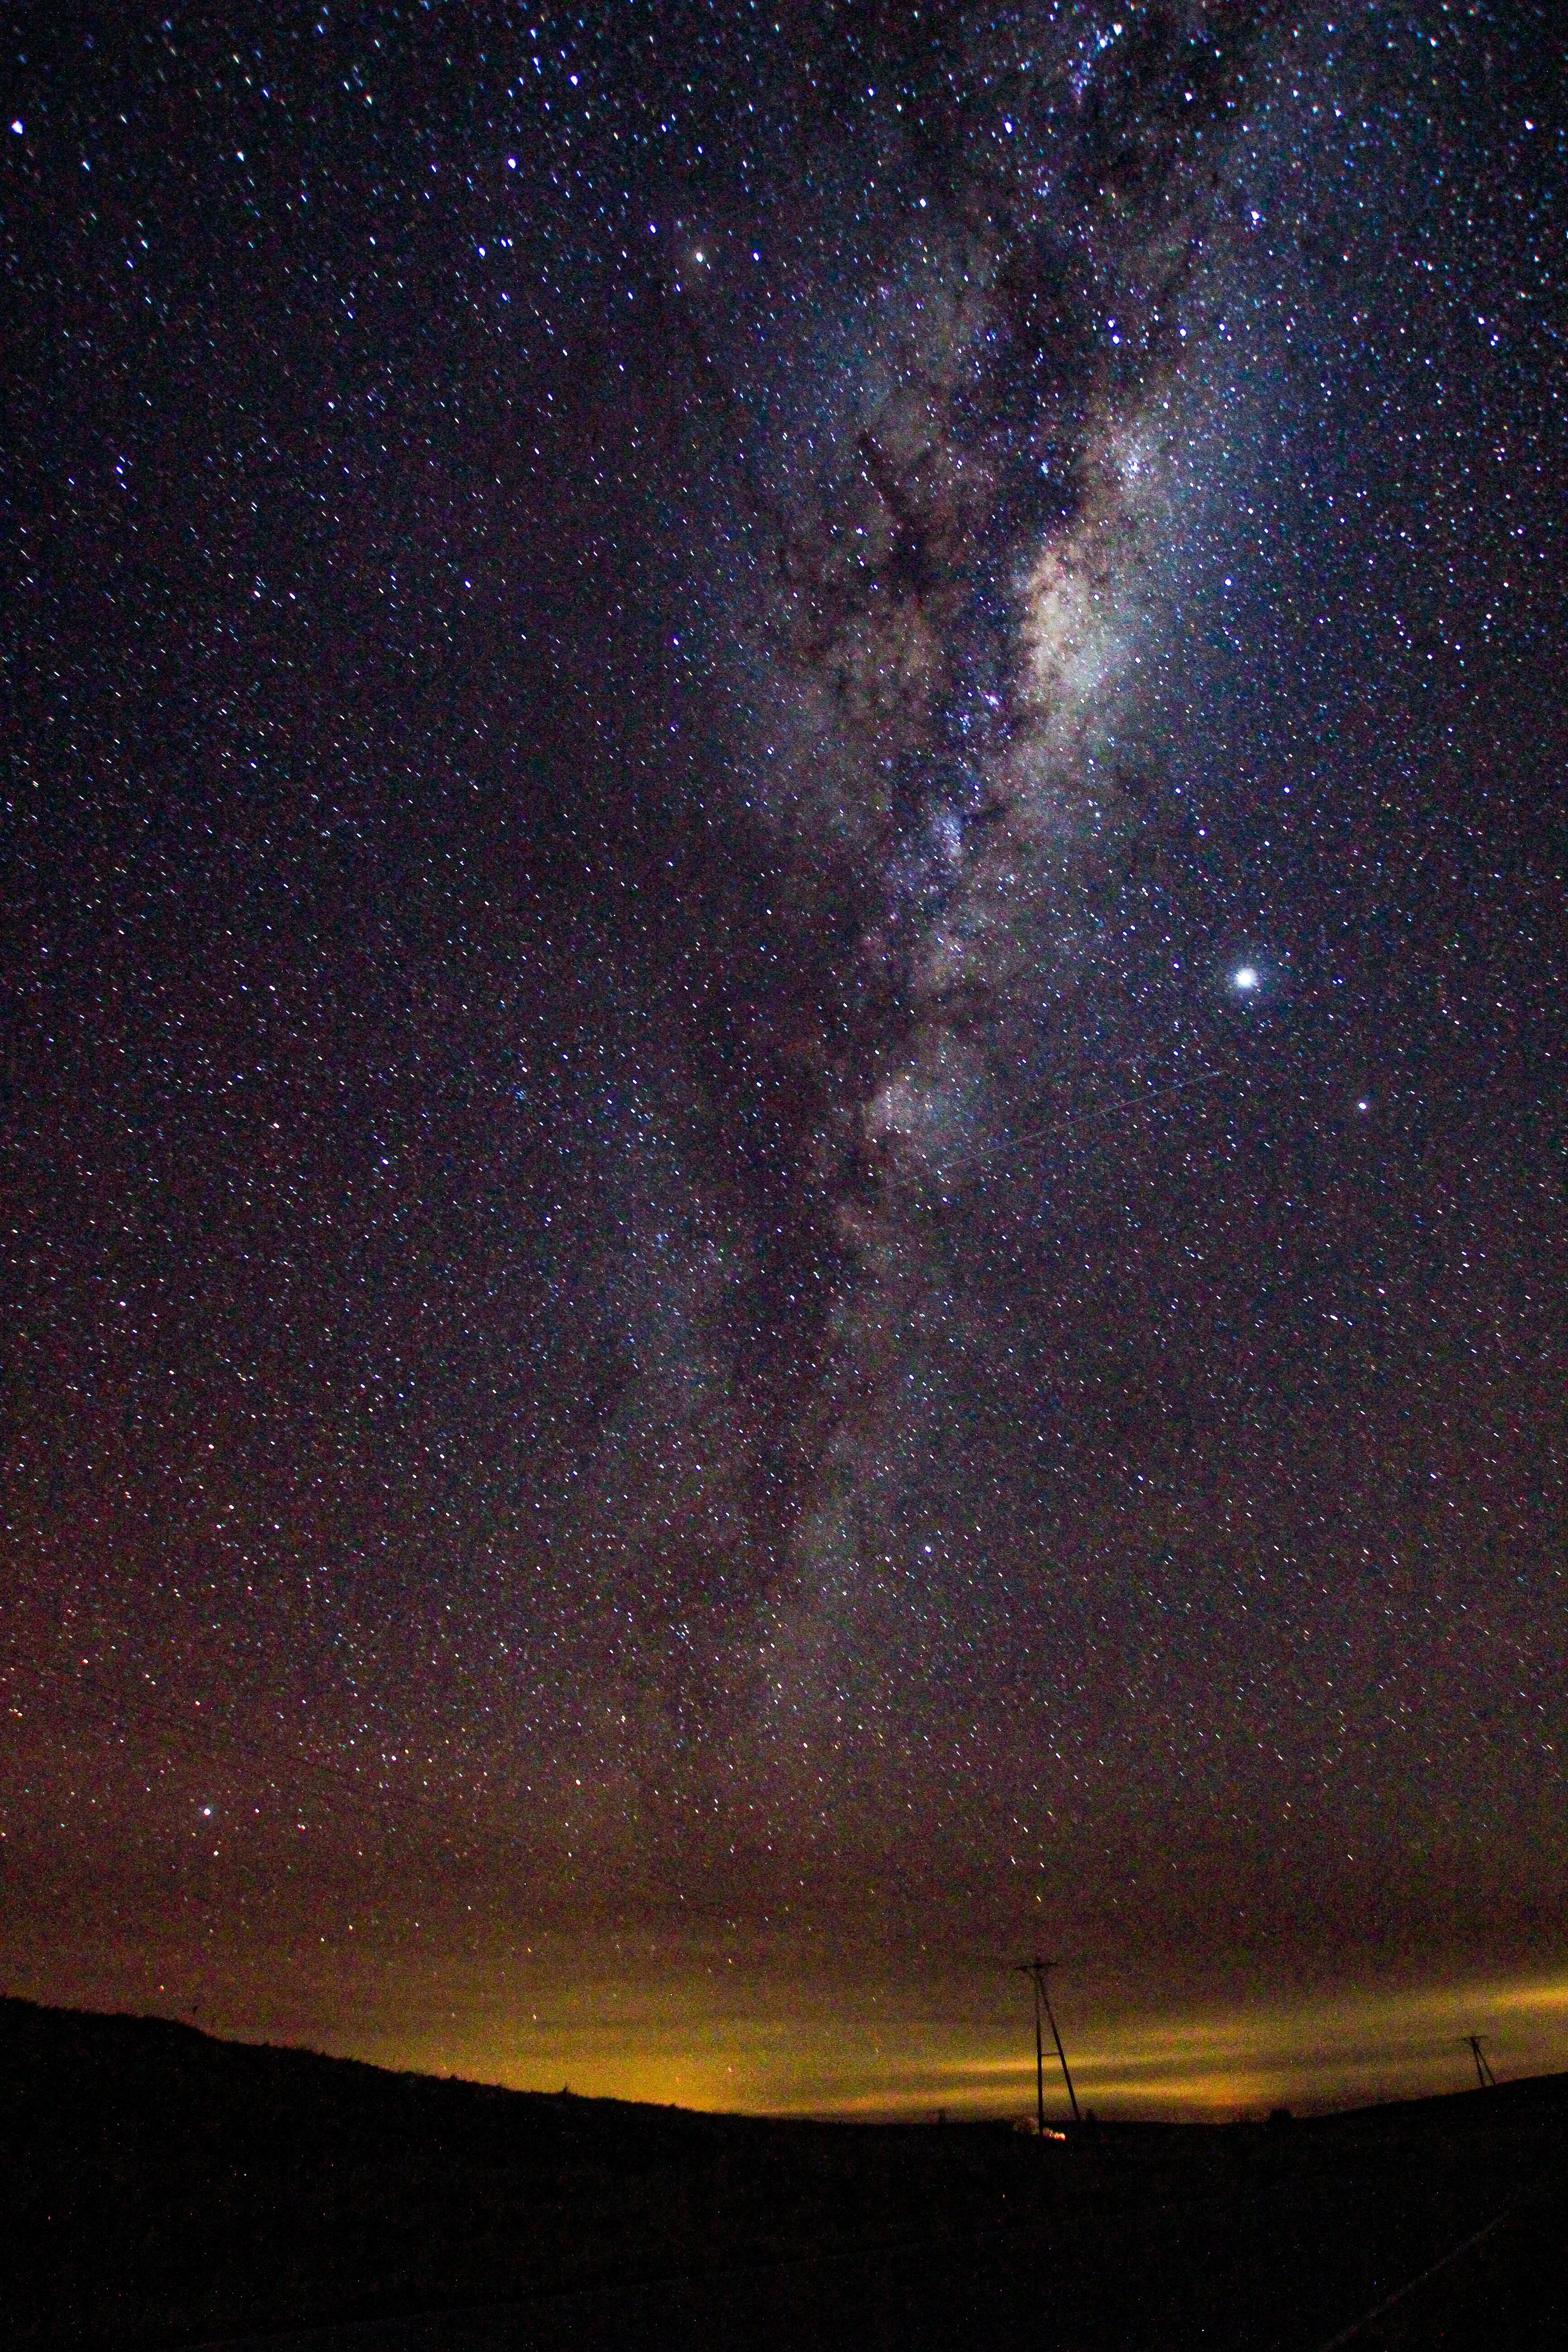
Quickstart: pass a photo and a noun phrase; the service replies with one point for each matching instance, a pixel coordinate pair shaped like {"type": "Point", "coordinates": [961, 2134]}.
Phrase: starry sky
{"type": "Point", "coordinates": [783, 959]}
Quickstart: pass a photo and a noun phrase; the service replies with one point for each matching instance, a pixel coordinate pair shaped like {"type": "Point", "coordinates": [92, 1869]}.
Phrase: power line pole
{"type": "Point", "coordinates": [1037, 1970]}
{"type": "Point", "coordinates": [1039, 2063]}
{"type": "Point", "coordinates": [1484, 2075]}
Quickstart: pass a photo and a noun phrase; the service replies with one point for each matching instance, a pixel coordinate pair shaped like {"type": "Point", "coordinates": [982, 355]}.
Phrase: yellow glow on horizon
{"type": "Point", "coordinates": [698, 2031]}
{"type": "Point", "coordinates": [1332, 2050]}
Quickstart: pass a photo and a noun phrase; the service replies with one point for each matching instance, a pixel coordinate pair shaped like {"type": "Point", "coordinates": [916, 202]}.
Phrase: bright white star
{"type": "Point", "coordinates": [1245, 978]}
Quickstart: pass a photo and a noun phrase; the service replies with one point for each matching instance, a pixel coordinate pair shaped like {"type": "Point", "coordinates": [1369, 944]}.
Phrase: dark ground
{"type": "Point", "coordinates": [163, 2189]}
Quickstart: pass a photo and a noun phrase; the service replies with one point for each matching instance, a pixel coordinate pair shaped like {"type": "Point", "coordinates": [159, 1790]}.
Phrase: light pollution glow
{"type": "Point", "coordinates": [735, 2040]}
{"type": "Point", "coordinates": [1310, 2054]}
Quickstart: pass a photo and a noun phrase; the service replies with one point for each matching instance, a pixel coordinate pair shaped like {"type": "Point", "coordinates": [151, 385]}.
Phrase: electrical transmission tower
{"type": "Point", "coordinates": [1037, 1970]}
{"type": "Point", "coordinates": [1484, 2075]}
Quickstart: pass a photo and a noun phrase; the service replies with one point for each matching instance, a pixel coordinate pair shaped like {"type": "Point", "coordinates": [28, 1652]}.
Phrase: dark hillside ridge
{"type": "Point", "coordinates": [161, 2185]}
{"type": "Point", "coordinates": [161, 2188]}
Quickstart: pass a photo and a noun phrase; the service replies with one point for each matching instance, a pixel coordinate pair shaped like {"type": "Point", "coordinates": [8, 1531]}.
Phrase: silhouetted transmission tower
{"type": "Point", "coordinates": [1036, 1970]}
{"type": "Point", "coordinates": [1484, 2075]}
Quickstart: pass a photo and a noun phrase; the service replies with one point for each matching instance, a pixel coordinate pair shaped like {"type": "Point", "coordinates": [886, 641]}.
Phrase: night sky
{"type": "Point", "coordinates": [782, 1139]}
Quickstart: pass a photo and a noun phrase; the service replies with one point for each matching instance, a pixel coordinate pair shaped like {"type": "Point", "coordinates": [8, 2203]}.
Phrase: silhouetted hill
{"type": "Point", "coordinates": [161, 2183]}
{"type": "Point", "coordinates": [160, 2186]}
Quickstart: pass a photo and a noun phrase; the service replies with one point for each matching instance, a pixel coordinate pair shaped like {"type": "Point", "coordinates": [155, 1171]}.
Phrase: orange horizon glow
{"type": "Point", "coordinates": [678, 2043]}
{"type": "Point", "coordinates": [1312, 2055]}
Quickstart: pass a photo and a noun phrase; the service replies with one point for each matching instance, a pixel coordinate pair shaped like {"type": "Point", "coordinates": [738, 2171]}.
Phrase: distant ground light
{"type": "Point", "coordinates": [1308, 2055]}
{"type": "Point", "coordinates": [767, 2047]}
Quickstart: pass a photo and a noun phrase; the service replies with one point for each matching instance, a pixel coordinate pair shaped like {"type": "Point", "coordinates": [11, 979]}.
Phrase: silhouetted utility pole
{"type": "Point", "coordinates": [1484, 2075]}
{"type": "Point", "coordinates": [1036, 1970]}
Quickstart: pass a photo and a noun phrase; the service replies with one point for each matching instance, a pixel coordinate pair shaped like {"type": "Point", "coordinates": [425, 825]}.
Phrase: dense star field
{"type": "Point", "coordinates": [784, 1133]}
